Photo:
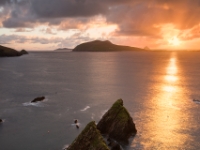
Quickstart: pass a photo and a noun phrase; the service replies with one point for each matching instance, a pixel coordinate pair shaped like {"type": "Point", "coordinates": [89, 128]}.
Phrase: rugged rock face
{"type": "Point", "coordinates": [8, 52]}
{"type": "Point", "coordinates": [117, 123]}
{"type": "Point", "coordinates": [37, 99]}
{"type": "Point", "coordinates": [98, 46]}
{"type": "Point", "coordinates": [89, 139]}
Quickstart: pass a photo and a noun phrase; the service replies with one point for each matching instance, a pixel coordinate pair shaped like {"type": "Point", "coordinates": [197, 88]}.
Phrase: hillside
{"type": "Point", "coordinates": [9, 52]}
{"type": "Point", "coordinates": [98, 46]}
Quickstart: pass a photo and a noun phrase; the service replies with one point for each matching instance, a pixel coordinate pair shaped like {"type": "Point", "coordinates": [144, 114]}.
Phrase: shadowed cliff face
{"type": "Point", "coordinates": [9, 52]}
{"type": "Point", "coordinates": [89, 138]}
{"type": "Point", "coordinates": [117, 123]}
{"type": "Point", "coordinates": [97, 46]}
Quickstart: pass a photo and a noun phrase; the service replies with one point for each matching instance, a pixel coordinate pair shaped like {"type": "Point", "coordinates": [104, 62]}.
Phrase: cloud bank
{"type": "Point", "coordinates": [152, 19]}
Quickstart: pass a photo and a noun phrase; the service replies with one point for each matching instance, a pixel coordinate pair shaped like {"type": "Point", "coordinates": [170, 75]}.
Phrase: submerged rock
{"type": "Point", "coordinates": [117, 123]}
{"type": "Point", "coordinates": [37, 99]}
{"type": "Point", "coordinates": [89, 139]}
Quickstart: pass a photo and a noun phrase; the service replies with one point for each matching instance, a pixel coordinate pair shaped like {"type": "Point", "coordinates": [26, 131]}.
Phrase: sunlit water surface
{"type": "Point", "coordinates": [158, 89]}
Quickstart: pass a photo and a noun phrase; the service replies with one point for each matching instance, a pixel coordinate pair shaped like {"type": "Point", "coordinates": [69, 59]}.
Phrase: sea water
{"type": "Point", "coordinates": [158, 89]}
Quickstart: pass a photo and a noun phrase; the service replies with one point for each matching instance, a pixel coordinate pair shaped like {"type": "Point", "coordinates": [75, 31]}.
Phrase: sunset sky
{"type": "Point", "coordinates": [52, 24]}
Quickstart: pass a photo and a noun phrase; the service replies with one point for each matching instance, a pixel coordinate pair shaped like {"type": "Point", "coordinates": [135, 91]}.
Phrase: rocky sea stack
{"type": "Point", "coordinates": [117, 123]}
{"type": "Point", "coordinates": [9, 52]}
{"type": "Point", "coordinates": [89, 139]}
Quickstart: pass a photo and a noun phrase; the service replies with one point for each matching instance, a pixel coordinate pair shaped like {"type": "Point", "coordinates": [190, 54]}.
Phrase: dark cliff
{"type": "Point", "coordinates": [9, 52]}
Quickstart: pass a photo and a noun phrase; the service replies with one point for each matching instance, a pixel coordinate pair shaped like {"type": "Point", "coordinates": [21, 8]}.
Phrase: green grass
{"type": "Point", "coordinates": [90, 135]}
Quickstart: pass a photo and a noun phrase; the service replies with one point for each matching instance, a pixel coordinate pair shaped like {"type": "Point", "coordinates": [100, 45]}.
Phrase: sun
{"type": "Point", "coordinates": [174, 41]}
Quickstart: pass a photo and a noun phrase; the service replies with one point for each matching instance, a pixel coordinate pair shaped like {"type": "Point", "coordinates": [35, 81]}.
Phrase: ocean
{"type": "Point", "coordinates": [158, 89]}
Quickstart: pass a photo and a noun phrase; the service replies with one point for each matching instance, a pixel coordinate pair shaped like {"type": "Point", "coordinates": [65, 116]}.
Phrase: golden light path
{"type": "Point", "coordinates": [164, 111]}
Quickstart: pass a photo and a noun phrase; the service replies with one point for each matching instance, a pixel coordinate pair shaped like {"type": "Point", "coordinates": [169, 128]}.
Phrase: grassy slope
{"type": "Point", "coordinates": [89, 139]}
{"type": "Point", "coordinates": [103, 46]}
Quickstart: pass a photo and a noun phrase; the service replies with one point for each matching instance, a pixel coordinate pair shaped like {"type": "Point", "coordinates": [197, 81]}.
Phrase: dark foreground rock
{"type": "Point", "coordinates": [89, 139]}
{"type": "Point", "coordinates": [1, 120]}
{"type": "Point", "coordinates": [9, 52]}
{"type": "Point", "coordinates": [103, 46]}
{"type": "Point", "coordinates": [113, 144]}
{"type": "Point", "coordinates": [38, 99]}
{"type": "Point", "coordinates": [117, 123]}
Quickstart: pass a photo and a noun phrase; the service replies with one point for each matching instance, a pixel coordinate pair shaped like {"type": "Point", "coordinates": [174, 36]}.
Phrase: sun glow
{"type": "Point", "coordinates": [174, 41]}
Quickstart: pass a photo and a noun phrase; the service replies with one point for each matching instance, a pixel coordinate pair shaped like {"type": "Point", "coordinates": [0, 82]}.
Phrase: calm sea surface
{"type": "Point", "coordinates": [158, 89]}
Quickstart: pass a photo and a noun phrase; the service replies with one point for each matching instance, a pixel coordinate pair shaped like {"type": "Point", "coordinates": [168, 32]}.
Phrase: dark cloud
{"type": "Point", "coordinates": [23, 39]}
{"type": "Point", "coordinates": [133, 17]}
{"type": "Point", "coordinates": [67, 8]}
{"type": "Point", "coordinates": [3, 2]}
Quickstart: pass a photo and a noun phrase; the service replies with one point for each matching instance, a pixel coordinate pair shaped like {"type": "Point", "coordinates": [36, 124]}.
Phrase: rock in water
{"type": "Point", "coordinates": [75, 121]}
{"type": "Point", "coordinates": [38, 99]}
{"type": "Point", "coordinates": [117, 123]}
{"type": "Point", "coordinates": [23, 52]}
{"type": "Point", "coordinates": [89, 139]}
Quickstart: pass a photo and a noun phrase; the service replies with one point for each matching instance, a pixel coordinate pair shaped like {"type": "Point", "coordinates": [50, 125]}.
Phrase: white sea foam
{"type": "Point", "coordinates": [103, 112]}
{"type": "Point", "coordinates": [93, 115]}
{"type": "Point", "coordinates": [84, 109]}
{"type": "Point", "coordinates": [38, 104]}
{"type": "Point", "coordinates": [74, 124]}
{"type": "Point", "coordinates": [65, 147]}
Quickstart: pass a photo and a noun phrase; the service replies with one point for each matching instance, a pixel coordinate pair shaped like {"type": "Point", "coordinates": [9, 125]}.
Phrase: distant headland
{"type": "Point", "coordinates": [63, 49]}
{"type": "Point", "coordinates": [9, 52]}
{"type": "Point", "coordinates": [103, 46]}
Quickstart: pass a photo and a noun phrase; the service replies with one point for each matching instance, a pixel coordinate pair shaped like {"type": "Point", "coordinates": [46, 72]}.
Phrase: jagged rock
{"type": "Point", "coordinates": [37, 99]}
{"type": "Point", "coordinates": [89, 139]}
{"type": "Point", "coordinates": [117, 123]}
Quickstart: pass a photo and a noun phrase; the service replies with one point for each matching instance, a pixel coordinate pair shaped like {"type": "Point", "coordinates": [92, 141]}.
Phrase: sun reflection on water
{"type": "Point", "coordinates": [165, 112]}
